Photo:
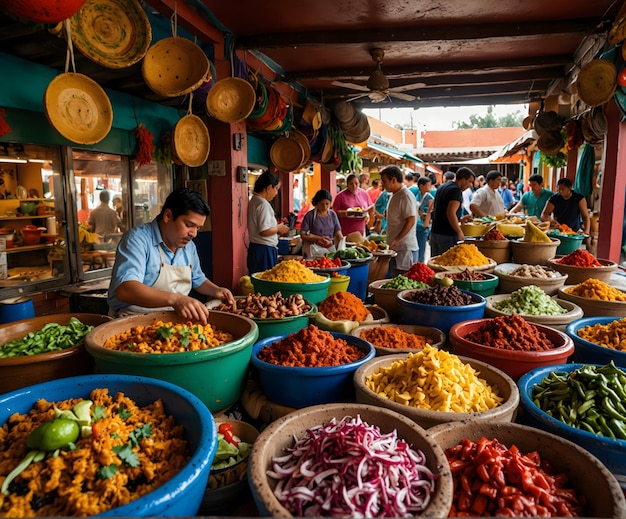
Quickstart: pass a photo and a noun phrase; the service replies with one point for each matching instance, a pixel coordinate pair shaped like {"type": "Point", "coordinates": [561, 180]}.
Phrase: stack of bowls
{"type": "Point", "coordinates": [215, 375]}
{"type": "Point", "coordinates": [436, 337]}
{"type": "Point", "coordinates": [513, 362]}
{"type": "Point", "coordinates": [428, 418]}
{"type": "Point", "coordinates": [298, 387]}
{"type": "Point", "coordinates": [587, 352]}
{"type": "Point", "coordinates": [576, 275]}
{"type": "Point", "coordinates": [509, 283]}
{"type": "Point", "coordinates": [279, 436]}
{"type": "Point", "coordinates": [314, 291]}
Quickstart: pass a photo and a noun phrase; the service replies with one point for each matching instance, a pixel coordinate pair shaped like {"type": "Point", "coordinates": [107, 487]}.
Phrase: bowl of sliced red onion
{"type": "Point", "coordinates": [350, 460]}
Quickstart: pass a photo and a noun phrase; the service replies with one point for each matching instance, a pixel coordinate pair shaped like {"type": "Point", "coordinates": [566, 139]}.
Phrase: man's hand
{"type": "Point", "coordinates": [225, 295]}
{"type": "Point", "coordinates": [192, 309]}
{"type": "Point", "coordinates": [283, 230]}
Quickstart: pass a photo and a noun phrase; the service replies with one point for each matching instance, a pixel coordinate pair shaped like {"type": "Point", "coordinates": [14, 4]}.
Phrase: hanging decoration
{"type": "Point", "coordinates": [4, 126]}
{"type": "Point", "coordinates": [146, 147]}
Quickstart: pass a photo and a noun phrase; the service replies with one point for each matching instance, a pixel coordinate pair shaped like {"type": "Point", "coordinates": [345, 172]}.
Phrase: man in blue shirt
{"type": "Point", "coordinates": [157, 263]}
{"type": "Point", "coordinates": [533, 201]}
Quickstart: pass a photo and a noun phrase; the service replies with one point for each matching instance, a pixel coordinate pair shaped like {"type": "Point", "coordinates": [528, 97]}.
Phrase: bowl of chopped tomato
{"type": "Point", "coordinates": [309, 367]}
{"type": "Point", "coordinates": [354, 460]}
{"type": "Point", "coordinates": [521, 471]}
{"type": "Point", "coordinates": [511, 343]}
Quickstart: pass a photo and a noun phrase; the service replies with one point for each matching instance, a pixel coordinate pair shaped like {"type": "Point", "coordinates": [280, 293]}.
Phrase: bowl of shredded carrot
{"type": "Point", "coordinates": [581, 265]}
{"type": "Point", "coordinates": [524, 454]}
{"type": "Point", "coordinates": [144, 450]}
{"type": "Point", "coordinates": [390, 338]}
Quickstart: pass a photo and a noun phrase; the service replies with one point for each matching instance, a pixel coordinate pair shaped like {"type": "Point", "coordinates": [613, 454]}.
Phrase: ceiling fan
{"type": "Point", "coordinates": [377, 86]}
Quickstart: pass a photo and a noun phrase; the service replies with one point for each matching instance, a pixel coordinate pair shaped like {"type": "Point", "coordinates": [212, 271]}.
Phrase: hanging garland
{"type": "Point", "coordinates": [4, 126]}
{"type": "Point", "coordinates": [146, 145]}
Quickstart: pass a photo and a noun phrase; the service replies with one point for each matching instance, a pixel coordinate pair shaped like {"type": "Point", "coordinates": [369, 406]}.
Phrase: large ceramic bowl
{"type": "Point", "coordinates": [586, 474]}
{"type": "Point", "coordinates": [433, 264]}
{"type": "Point", "coordinates": [594, 307]}
{"type": "Point", "coordinates": [16, 372]}
{"type": "Point", "coordinates": [587, 352]}
{"type": "Point", "coordinates": [280, 434]}
{"type": "Point", "coordinates": [440, 317]}
{"type": "Point", "coordinates": [610, 451]}
{"type": "Point", "coordinates": [509, 283]}
{"type": "Point", "coordinates": [532, 252]}
{"type": "Point", "coordinates": [483, 287]}
{"type": "Point", "coordinates": [386, 298]}
{"type": "Point", "coordinates": [301, 387]}
{"type": "Point", "coordinates": [513, 362]}
{"type": "Point", "coordinates": [427, 418]}
{"type": "Point", "coordinates": [498, 250]}
{"type": "Point", "coordinates": [216, 375]}
{"type": "Point", "coordinates": [436, 337]}
{"type": "Point", "coordinates": [558, 322]}
{"type": "Point", "coordinates": [181, 495]}
{"type": "Point", "coordinates": [577, 275]}
{"type": "Point", "coordinates": [315, 291]}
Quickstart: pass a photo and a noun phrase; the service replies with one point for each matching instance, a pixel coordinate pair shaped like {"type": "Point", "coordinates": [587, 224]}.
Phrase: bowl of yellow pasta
{"type": "Point", "coordinates": [599, 340]}
{"type": "Point", "coordinates": [210, 361]}
{"type": "Point", "coordinates": [433, 386]}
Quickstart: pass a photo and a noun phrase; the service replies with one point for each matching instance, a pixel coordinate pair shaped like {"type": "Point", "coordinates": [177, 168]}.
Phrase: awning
{"type": "Point", "coordinates": [513, 147]}
{"type": "Point", "coordinates": [392, 152]}
{"type": "Point", "coordinates": [408, 156]}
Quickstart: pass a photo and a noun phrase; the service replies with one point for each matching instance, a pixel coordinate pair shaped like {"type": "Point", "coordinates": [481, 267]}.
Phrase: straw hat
{"type": "Point", "coordinates": [360, 131]}
{"type": "Point", "coordinates": [175, 66]}
{"type": "Point", "coordinates": [304, 142]}
{"type": "Point", "coordinates": [327, 151]}
{"type": "Point", "coordinates": [78, 108]}
{"type": "Point", "coordinates": [547, 122]}
{"type": "Point", "coordinates": [343, 111]}
{"type": "Point", "coordinates": [231, 100]}
{"type": "Point", "coordinates": [596, 82]}
{"type": "Point", "coordinates": [550, 142]}
{"type": "Point", "coordinates": [191, 141]}
{"type": "Point", "coordinates": [287, 154]}
{"type": "Point", "coordinates": [113, 33]}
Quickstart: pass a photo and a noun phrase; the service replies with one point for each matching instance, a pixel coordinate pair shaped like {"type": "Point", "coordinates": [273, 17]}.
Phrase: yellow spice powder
{"type": "Point", "coordinates": [463, 254]}
{"type": "Point", "coordinates": [290, 271]}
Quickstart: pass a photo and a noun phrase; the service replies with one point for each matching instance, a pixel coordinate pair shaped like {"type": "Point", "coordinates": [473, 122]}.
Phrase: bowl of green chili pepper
{"type": "Point", "coordinates": [583, 403]}
{"type": "Point", "coordinates": [45, 348]}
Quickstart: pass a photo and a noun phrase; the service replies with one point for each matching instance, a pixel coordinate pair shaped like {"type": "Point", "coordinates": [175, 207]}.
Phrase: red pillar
{"type": "Point", "coordinates": [613, 187]}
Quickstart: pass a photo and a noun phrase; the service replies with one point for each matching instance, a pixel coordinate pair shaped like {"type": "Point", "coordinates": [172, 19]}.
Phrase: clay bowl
{"type": "Point", "coordinates": [437, 337]}
{"type": "Point", "coordinates": [532, 252]}
{"type": "Point", "coordinates": [18, 372]}
{"type": "Point", "coordinates": [594, 307]}
{"type": "Point", "coordinates": [512, 362]}
{"type": "Point", "coordinates": [576, 275]}
{"type": "Point", "coordinates": [280, 434]}
{"type": "Point", "coordinates": [558, 322]}
{"type": "Point", "coordinates": [387, 298]}
{"type": "Point", "coordinates": [506, 412]}
{"type": "Point", "coordinates": [510, 283]}
{"type": "Point", "coordinates": [587, 352]}
{"type": "Point", "coordinates": [604, 496]}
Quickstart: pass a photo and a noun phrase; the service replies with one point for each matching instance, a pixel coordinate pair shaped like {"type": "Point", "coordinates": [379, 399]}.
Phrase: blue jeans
{"type": "Point", "coordinates": [261, 257]}
{"type": "Point", "coordinates": [422, 238]}
{"type": "Point", "coordinates": [440, 243]}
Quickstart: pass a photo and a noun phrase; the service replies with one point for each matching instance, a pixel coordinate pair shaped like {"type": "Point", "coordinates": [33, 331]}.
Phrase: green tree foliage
{"type": "Point", "coordinates": [490, 120]}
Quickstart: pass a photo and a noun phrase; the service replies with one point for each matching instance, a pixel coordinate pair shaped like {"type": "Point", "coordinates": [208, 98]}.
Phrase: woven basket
{"type": "Point", "coordinates": [191, 141]}
{"type": "Point", "coordinates": [287, 154]}
{"type": "Point", "coordinates": [231, 100]}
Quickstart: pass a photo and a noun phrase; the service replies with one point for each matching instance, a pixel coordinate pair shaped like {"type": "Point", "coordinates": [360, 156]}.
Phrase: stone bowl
{"type": "Point", "coordinates": [506, 412]}
{"type": "Point", "coordinates": [279, 435]}
{"type": "Point", "coordinates": [604, 496]}
{"type": "Point", "coordinates": [576, 275]}
{"type": "Point", "coordinates": [437, 337]}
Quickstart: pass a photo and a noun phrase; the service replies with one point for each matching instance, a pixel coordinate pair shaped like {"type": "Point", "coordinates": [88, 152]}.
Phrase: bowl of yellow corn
{"type": "Point", "coordinates": [433, 386]}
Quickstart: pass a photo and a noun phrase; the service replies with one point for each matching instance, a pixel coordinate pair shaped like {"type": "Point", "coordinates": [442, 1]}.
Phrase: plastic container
{"type": "Point", "coordinates": [359, 273]}
{"type": "Point", "coordinates": [314, 292]}
{"type": "Point", "coordinates": [16, 309]}
{"type": "Point", "coordinates": [338, 284]}
{"type": "Point", "coordinates": [586, 475]}
{"type": "Point", "coordinates": [181, 495]}
{"type": "Point", "coordinates": [216, 375]}
{"type": "Point", "coordinates": [611, 452]}
{"type": "Point", "coordinates": [569, 243]}
{"type": "Point", "coordinates": [302, 387]}
{"type": "Point", "coordinates": [513, 362]}
{"type": "Point", "coordinates": [486, 287]}
{"type": "Point", "coordinates": [441, 317]}
{"type": "Point", "coordinates": [576, 275]}
{"type": "Point", "coordinates": [586, 352]}
{"type": "Point", "coordinates": [505, 412]}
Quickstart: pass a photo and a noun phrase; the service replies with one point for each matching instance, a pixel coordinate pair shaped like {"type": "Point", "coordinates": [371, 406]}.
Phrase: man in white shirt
{"type": "Point", "coordinates": [487, 201]}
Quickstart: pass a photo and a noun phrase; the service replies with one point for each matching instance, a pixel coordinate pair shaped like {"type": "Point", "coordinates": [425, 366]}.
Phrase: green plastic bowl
{"type": "Point", "coordinates": [314, 292]}
{"type": "Point", "coordinates": [569, 242]}
{"type": "Point", "coordinates": [216, 376]}
{"type": "Point", "coordinates": [485, 287]}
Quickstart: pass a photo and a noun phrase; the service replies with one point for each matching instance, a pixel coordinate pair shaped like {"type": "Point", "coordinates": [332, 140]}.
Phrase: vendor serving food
{"type": "Point", "coordinates": [157, 263]}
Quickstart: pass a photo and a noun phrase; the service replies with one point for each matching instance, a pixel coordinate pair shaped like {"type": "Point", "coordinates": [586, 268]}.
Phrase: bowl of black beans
{"type": "Point", "coordinates": [440, 307]}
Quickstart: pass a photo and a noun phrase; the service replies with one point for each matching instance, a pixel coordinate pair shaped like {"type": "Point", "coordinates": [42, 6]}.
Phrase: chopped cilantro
{"type": "Point", "coordinates": [201, 336]}
{"type": "Point", "coordinates": [107, 471]}
{"type": "Point", "coordinates": [126, 454]}
{"type": "Point", "coordinates": [145, 431]}
{"type": "Point", "coordinates": [165, 332]}
{"type": "Point", "coordinates": [115, 436]}
{"type": "Point", "coordinates": [131, 345]}
{"type": "Point", "coordinates": [123, 412]}
{"type": "Point", "coordinates": [184, 336]}
{"type": "Point", "coordinates": [98, 413]}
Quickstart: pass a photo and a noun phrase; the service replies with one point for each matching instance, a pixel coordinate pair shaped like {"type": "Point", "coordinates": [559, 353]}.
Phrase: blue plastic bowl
{"type": "Point", "coordinates": [180, 496]}
{"type": "Point", "coordinates": [611, 452]}
{"type": "Point", "coordinates": [586, 352]}
{"type": "Point", "coordinates": [303, 387]}
{"type": "Point", "coordinates": [442, 317]}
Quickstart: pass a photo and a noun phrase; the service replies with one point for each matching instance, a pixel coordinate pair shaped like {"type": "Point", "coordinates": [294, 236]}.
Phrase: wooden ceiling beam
{"type": "Point", "coordinates": [418, 33]}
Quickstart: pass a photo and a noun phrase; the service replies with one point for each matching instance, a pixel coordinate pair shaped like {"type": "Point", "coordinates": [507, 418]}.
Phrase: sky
{"type": "Point", "coordinates": [438, 118]}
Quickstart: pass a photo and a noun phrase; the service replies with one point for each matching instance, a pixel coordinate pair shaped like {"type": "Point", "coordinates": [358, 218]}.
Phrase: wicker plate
{"type": "Point", "coordinates": [231, 100]}
{"type": "Point", "coordinates": [113, 33]}
{"type": "Point", "coordinates": [287, 154]}
{"type": "Point", "coordinates": [191, 141]}
{"type": "Point", "coordinates": [78, 108]}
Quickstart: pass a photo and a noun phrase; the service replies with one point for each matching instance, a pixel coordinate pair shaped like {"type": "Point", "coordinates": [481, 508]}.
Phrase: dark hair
{"type": "Point", "coordinates": [322, 194]}
{"type": "Point", "coordinates": [493, 175]}
{"type": "Point", "coordinates": [375, 182]}
{"type": "Point", "coordinates": [392, 172]}
{"type": "Point", "coordinates": [564, 182]}
{"type": "Point", "coordinates": [350, 177]}
{"type": "Point", "coordinates": [183, 200]}
{"type": "Point", "coordinates": [266, 179]}
{"type": "Point", "coordinates": [536, 178]}
{"type": "Point", "coordinates": [423, 181]}
{"type": "Point", "coordinates": [433, 178]}
{"type": "Point", "coordinates": [409, 176]}
{"type": "Point", "coordinates": [105, 196]}
{"type": "Point", "coordinates": [449, 175]}
{"type": "Point", "coordinates": [464, 173]}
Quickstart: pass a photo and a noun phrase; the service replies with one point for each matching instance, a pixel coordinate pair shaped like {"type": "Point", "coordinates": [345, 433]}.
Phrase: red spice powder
{"type": "Point", "coordinates": [579, 258]}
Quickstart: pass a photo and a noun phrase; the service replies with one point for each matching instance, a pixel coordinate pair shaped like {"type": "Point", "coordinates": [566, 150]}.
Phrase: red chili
{"type": "Point", "coordinates": [227, 430]}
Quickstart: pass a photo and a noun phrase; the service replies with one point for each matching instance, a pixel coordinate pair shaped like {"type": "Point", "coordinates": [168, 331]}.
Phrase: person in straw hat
{"type": "Point", "coordinates": [263, 229]}
{"type": "Point", "coordinates": [567, 207]}
{"type": "Point", "coordinates": [157, 263]}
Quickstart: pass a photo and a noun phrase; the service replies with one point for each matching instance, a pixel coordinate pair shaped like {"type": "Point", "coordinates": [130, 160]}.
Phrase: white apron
{"type": "Point", "coordinates": [172, 278]}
